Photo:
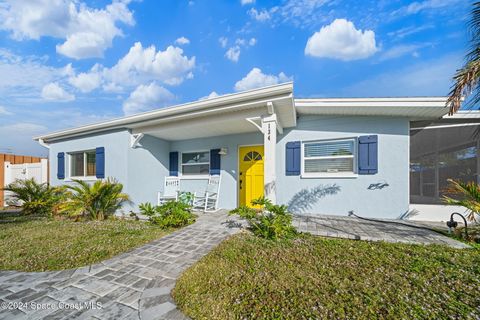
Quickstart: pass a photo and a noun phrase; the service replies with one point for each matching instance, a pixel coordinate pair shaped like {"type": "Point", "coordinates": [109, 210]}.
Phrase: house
{"type": "Point", "coordinates": [318, 156]}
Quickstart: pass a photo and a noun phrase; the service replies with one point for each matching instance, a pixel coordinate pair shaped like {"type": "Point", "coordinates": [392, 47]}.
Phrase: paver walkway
{"type": "Point", "coordinates": [133, 285]}
{"type": "Point", "coordinates": [381, 230]}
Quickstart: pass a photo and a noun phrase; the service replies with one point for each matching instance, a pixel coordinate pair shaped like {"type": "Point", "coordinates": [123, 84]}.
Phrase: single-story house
{"type": "Point", "coordinates": [317, 156]}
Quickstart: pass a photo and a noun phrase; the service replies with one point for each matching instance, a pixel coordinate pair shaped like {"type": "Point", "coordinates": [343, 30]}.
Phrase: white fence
{"type": "Point", "coordinates": [37, 171]}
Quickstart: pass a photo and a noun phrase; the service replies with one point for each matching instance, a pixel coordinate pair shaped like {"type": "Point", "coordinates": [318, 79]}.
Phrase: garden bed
{"type": "Point", "coordinates": [40, 244]}
{"type": "Point", "coordinates": [313, 277]}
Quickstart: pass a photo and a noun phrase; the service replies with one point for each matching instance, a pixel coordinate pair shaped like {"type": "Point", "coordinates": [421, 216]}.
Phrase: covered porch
{"type": "Point", "coordinates": [206, 138]}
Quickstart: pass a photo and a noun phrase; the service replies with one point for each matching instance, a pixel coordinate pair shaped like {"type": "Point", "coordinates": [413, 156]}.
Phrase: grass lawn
{"type": "Point", "coordinates": [39, 244]}
{"type": "Point", "coordinates": [312, 277]}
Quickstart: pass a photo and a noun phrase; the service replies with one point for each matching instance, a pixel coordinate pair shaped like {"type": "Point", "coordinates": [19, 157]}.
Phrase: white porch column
{"type": "Point", "coordinates": [269, 129]}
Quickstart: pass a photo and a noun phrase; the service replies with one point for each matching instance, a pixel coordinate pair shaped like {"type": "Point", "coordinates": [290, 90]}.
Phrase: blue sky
{"type": "Point", "coordinates": [65, 63]}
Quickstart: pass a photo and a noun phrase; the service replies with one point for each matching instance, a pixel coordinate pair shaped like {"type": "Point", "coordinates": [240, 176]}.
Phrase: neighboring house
{"type": "Point", "coordinates": [318, 156]}
{"type": "Point", "coordinates": [447, 148]}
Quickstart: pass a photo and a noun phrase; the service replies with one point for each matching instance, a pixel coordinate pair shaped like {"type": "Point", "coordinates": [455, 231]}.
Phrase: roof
{"type": "Point", "coordinates": [225, 114]}
{"type": "Point", "coordinates": [415, 108]}
{"type": "Point", "coordinates": [280, 95]}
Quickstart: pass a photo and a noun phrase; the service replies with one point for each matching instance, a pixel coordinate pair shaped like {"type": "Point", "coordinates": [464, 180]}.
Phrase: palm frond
{"type": "Point", "coordinates": [466, 79]}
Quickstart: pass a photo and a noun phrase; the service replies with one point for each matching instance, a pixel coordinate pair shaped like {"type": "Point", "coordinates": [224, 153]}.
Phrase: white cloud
{"type": "Point", "coordinates": [244, 2]}
{"type": "Point", "coordinates": [87, 81]}
{"type": "Point", "coordinates": [252, 42]}
{"type": "Point", "coordinates": [141, 64]}
{"type": "Point", "coordinates": [212, 95]}
{"type": "Point", "coordinates": [261, 16]}
{"type": "Point", "coordinates": [147, 97]}
{"type": "Point", "coordinates": [182, 41]}
{"type": "Point", "coordinates": [340, 40]}
{"type": "Point", "coordinates": [223, 41]}
{"type": "Point", "coordinates": [256, 79]}
{"type": "Point", "coordinates": [426, 78]}
{"type": "Point", "coordinates": [233, 53]}
{"type": "Point", "coordinates": [87, 31]}
{"type": "Point", "coordinates": [418, 6]}
{"type": "Point", "coordinates": [402, 50]}
{"type": "Point", "coordinates": [54, 92]}
{"type": "Point", "coordinates": [5, 112]}
{"type": "Point", "coordinates": [112, 88]}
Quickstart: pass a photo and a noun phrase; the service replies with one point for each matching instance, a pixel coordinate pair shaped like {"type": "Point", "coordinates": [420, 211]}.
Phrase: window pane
{"type": "Point", "coordinates": [196, 169]}
{"type": "Point", "coordinates": [77, 165]}
{"type": "Point", "coordinates": [327, 149]}
{"type": "Point", "coordinates": [329, 165]}
{"type": "Point", "coordinates": [195, 157]}
{"type": "Point", "coordinates": [91, 165]}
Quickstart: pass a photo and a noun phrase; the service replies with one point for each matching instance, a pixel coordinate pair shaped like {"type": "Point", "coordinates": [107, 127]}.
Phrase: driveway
{"type": "Point", "coordinates": [133, 285]}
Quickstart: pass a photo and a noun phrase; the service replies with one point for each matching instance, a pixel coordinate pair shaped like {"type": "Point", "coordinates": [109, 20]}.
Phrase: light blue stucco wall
{"type": "Point", "coordinates": [142, 170]}
{"type": "Point", "coordinates": [116, 145]}
{"type": "Point", "coordinates": [306, 195]}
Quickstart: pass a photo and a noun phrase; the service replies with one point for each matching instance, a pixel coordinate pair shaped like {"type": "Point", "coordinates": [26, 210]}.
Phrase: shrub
{"type": "Point", "coordinates": [173, 214]}
{"type": "Point", "coordinates": [186, 198]}
{"type": "Point", "coordinates": [35, 198]}
{"type": "Point", "coordinates": [270, 221]}
{"type": "Point", "coordinates": [97, 201]}
{"type": "Point", "coordinates": [468, 195]}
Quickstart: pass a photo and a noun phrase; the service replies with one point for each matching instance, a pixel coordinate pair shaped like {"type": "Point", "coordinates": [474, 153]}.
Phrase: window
{"type": "Point", "coordinates": [329, 157]}
{"type": "Point", "coordinates": [196, 163]}
{"type": "Point", "coordinates": [83, 164]}
{"type": "Point", "coordinates": [252, 156]}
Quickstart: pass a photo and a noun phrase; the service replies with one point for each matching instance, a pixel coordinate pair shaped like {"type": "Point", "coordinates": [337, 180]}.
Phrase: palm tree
{"type": "Point", "coordinates": [96, 201]}
{"type": "Point", "coordinates": [467, 78]}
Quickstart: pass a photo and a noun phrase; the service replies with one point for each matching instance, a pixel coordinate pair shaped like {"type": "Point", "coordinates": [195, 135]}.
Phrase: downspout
{"type": "Point", "coordinates": [43, 143]}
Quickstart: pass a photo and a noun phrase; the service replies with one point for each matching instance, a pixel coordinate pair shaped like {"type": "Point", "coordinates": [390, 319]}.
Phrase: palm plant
{"type": "Point", "coordinates": [468, 197]}
{"type": "Point", "coordinates": [96, 201]}
{"type": "Point", "coordinates": [35, 198]}
{"type": "Point", "coordinates": [467, 78]}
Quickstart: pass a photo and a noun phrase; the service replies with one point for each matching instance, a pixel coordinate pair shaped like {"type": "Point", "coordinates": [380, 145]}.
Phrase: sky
{"type": "Point", "coordinates": [65, 63]}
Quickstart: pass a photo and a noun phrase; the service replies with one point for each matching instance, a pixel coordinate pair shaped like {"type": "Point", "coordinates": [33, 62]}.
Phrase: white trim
{"type": "Point", "coordinates": [342, 174]}
{"type": "Point", "coordinates": [181, 164]}
{"type": "Point", "coordinates": [446, 126]}
{"type": "Point", "coordinates": [195, 177]}
{"type": "Point", "coordinates": [69, 163]}
{"type": "Point", "coordinates": [135, 139]}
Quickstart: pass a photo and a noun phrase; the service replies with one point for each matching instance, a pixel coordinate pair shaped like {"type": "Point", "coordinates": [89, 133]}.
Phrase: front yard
{"type": "Point", "coordinates": [40, 244]}
{"type": "Point", "coordinates": [311, 277]}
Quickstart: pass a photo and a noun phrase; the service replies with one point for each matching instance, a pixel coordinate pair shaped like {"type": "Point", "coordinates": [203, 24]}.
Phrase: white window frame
{"type": "Point", "coordinates": [84, 177]}
{"type": "Point", "coordinates": [354, 156]}
{"type": "Point", "coordinates": [193, 176]}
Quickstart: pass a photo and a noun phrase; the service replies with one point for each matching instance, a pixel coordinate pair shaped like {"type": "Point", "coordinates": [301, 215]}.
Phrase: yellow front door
{"type": "Point", "coordinates": [250, 179]}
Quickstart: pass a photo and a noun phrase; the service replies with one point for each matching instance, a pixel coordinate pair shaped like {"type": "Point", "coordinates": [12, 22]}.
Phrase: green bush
{"type": "Point", "coordinates": [270, 221]}
{"type": "Point", "coordinates": [35, 198]}
{"type": "Point", "coordinates": [173, 214]}
{"type": "Point", "coordinates": [186, 198]}
{"type": "Point", "coordinates": [95, 201]}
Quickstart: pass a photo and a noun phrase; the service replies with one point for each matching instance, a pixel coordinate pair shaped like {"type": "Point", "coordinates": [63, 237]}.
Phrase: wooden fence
{"type": "Point", "coordinates": [13, 159]}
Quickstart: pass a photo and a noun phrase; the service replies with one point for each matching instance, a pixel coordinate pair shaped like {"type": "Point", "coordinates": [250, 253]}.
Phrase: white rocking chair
{"type": "Point", "coordinates": [208, 201]}
{"type": "Point", "coordinates": [170, 190]}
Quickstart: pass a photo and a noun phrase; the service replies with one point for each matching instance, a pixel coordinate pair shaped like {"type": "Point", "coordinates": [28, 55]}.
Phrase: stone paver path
{"type": "Point", "coordinates": [381, 230]}
{"type": "Point", "coordinates": [133, 285]}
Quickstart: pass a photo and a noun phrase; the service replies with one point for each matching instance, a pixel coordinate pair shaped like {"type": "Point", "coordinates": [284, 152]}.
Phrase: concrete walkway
{"type": "Point", "coordinates": [380, 230]}
{"type": "Point", "coordinates": [133, 285]}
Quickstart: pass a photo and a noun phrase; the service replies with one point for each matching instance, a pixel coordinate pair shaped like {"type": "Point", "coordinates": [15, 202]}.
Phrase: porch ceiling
{"type": "Point", "coordinates": [226, 120]}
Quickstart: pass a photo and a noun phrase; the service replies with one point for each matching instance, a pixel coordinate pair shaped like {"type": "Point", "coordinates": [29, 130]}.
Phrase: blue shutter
{"type": "Point", "coordinates": [293, 158]}
{"type": "Point", "coordinates": [174, 164]}
{"type": "Point", "coordinates": [61, 165]}
{"type": "Point", "coordinates": [367, 155]}
{"type": "Point", "coordinates": [100, 162]}
{"type": "Point", "coordinates": [214, 161]}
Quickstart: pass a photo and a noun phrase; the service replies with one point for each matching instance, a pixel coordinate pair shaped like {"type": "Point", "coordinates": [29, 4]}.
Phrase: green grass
{"type": "Point", "coordinates": [312, 277]}
{"type": "Point", "coordinates": [40, 244]}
